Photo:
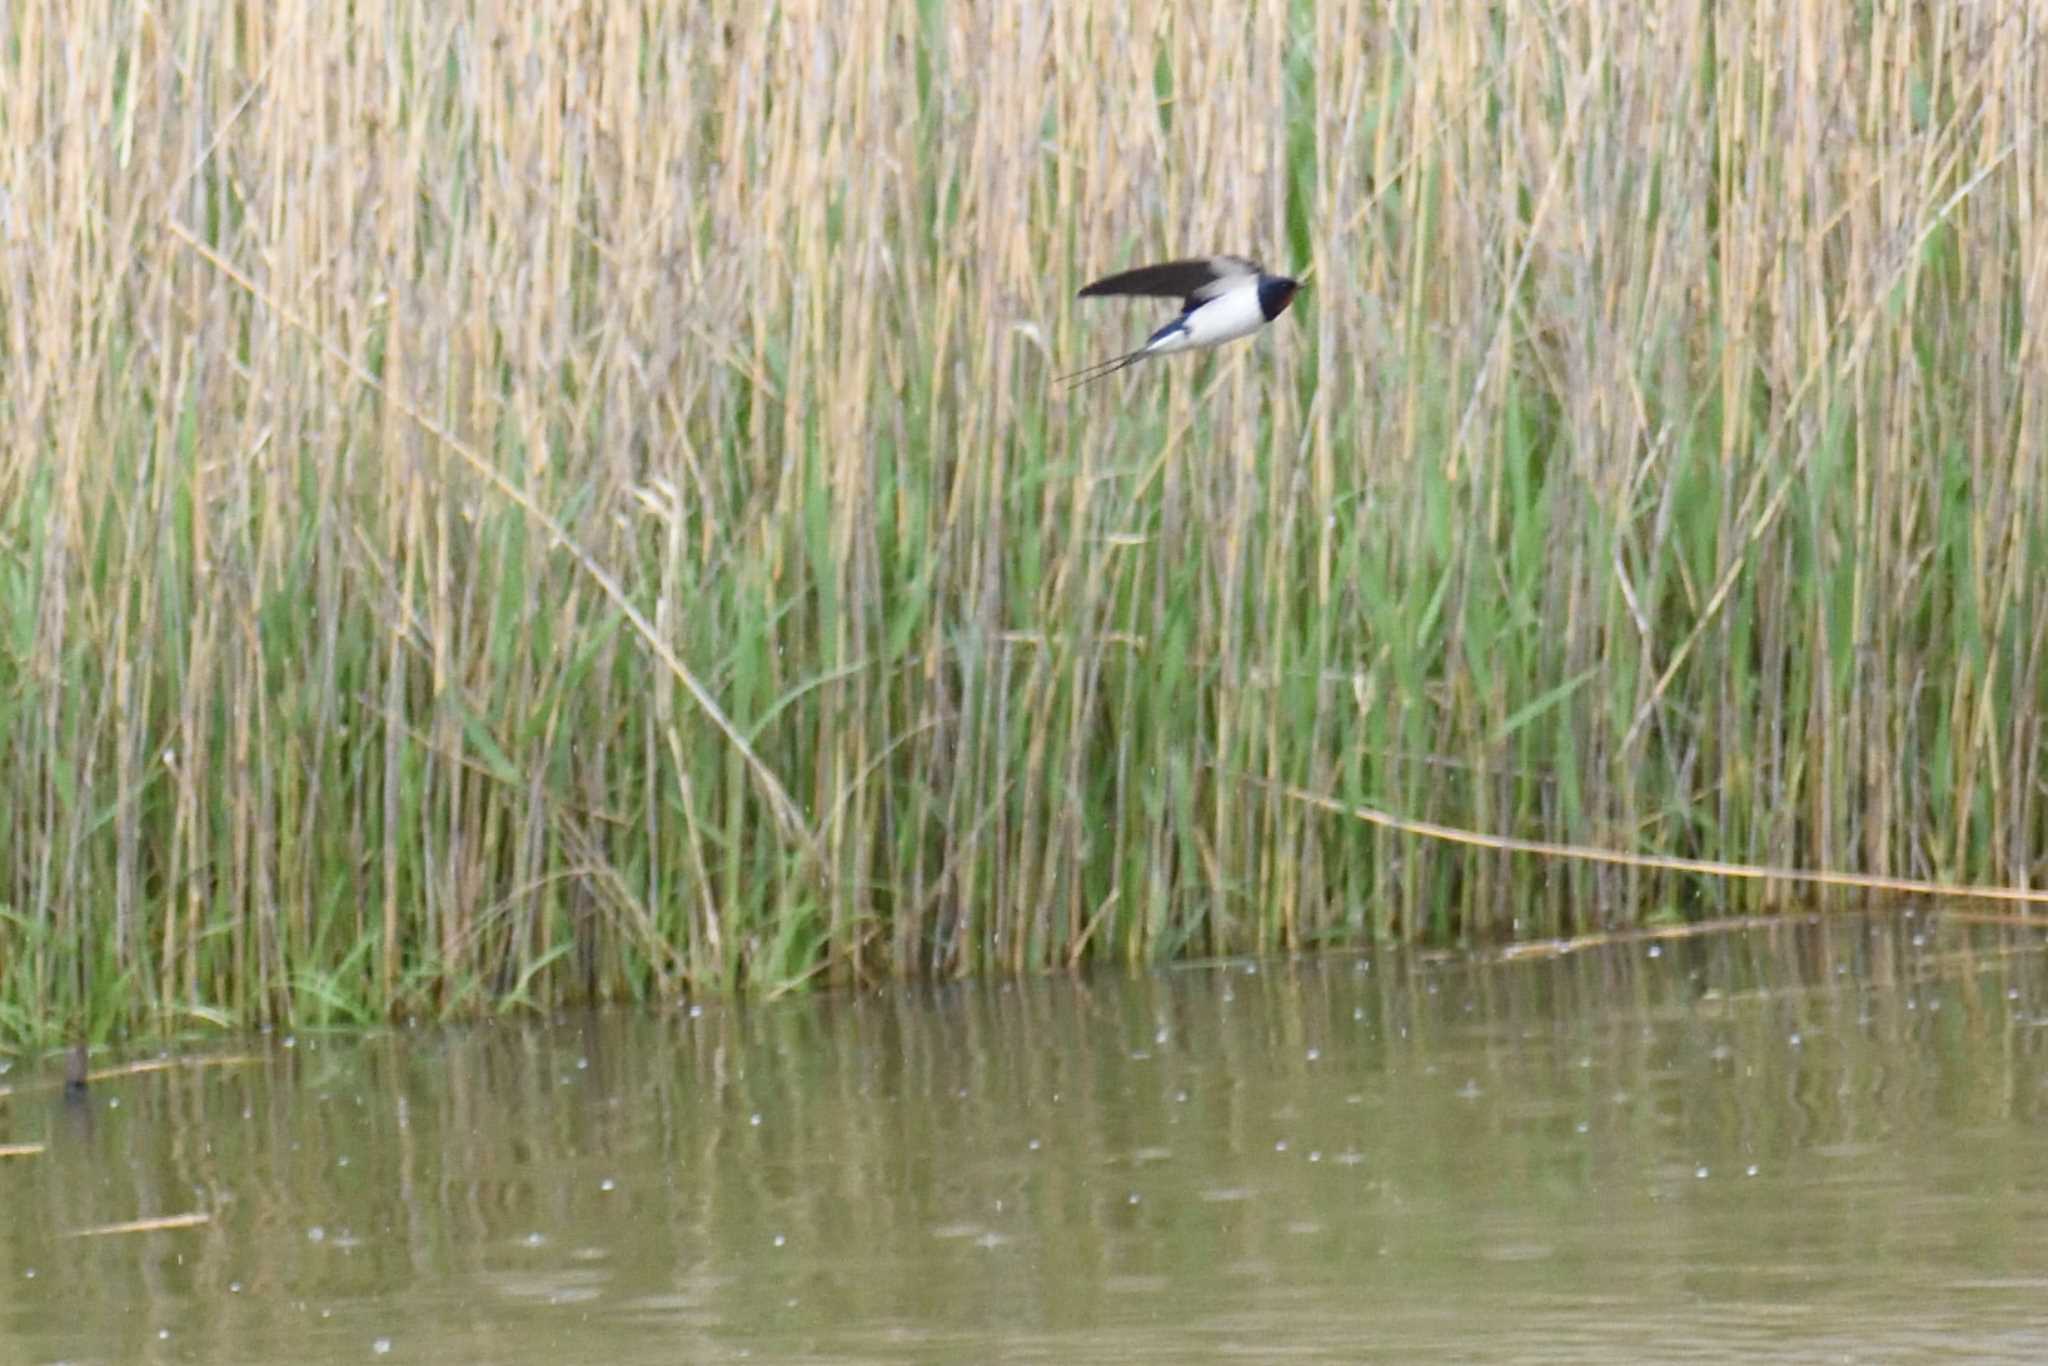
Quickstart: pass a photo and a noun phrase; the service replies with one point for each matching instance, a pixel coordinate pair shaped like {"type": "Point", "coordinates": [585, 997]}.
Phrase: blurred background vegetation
{"type": "Point", "coordinates": [510, 505]}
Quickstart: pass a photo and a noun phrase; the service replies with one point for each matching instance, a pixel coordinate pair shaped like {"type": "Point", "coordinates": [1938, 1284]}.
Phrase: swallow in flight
{"type": "Point", "coordinates": [1226, 297]}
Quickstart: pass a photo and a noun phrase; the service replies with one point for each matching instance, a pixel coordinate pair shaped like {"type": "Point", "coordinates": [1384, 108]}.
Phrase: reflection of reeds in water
{"type": "Point", "coordinates": [1654, 464]}
{"type": "Point", "coordinates": [663, 1153]}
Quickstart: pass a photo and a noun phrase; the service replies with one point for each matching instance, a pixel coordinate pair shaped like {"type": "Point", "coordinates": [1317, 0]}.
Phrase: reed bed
{"type": "Point", "coordinates": [509, 505]}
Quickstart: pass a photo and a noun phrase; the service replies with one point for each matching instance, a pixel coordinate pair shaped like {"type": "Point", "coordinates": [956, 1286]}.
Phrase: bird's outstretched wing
{"type": "Point", "coordinates": [1195, 280]}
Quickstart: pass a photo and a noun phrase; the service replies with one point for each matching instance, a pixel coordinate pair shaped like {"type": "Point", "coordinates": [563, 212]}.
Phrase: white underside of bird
{"type": "Point", "coordinates": [1233, 315]}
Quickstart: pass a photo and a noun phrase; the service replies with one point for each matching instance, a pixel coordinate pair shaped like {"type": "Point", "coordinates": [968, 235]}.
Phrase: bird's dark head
{"type": "Point", "coordinates": [1275, 293]}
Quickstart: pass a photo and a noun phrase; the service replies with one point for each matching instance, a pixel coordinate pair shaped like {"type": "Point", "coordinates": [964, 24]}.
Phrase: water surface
{"type": "Point", "coordinates": [1812, 1140]}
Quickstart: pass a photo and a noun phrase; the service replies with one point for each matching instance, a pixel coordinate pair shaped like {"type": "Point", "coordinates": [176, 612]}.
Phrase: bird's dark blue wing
{"type": "Point", "coordinates": [1192, 280]}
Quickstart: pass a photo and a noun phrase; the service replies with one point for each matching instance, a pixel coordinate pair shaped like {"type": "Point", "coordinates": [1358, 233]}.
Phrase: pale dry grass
{"type": "Point", "coordinates": [526, 503]}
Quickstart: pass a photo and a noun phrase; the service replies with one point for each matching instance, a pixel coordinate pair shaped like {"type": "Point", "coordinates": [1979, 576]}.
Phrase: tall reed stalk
{"type": "Point", "coordinates": [520, 504]}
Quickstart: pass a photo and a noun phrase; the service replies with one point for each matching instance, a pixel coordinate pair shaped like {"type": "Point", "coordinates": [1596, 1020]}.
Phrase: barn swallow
{"type": "Point", "coordinates": [1227, 297]}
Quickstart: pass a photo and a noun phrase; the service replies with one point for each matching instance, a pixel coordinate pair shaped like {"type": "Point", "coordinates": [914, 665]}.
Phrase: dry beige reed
{"type": "Point", "coordinates": [518, 504]}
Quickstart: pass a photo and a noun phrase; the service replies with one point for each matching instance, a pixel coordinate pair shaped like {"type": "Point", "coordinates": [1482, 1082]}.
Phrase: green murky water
{"type": "Point", "coordinates": [1809, 1141]}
